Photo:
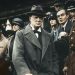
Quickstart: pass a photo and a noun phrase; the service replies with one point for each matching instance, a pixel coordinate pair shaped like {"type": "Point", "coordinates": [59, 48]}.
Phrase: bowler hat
{"type": "Point", "coordinates": [18, 21]}
{"type": "Point", "coordinates": [36, 10]}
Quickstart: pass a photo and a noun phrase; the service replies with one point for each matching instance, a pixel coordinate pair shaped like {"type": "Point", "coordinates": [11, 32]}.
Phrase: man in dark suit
{"type": "Point", "coordinates": [31, 55]}
{"type": "Point", "coordinates": [62, 44]}
{"type": "Point", "coordinates": [64, 23]}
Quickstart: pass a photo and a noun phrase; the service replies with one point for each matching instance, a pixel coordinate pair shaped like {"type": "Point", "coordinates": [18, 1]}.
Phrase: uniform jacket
{"type": "Point", "coordinates": [70, 60]}
{"type": "Point", "coordinates": [25, 56]}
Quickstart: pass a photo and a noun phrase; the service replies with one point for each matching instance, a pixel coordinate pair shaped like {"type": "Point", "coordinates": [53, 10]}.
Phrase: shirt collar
{"type": "Point", "coordinates": [65, 24]}
{"type": "Point", "coordinates": [39, 29]}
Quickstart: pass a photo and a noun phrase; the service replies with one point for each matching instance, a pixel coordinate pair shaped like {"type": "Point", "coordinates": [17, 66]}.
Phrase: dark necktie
{"type": "Point", "coordinates": [62, 28]}
{"type": "Point", "coordinates": [55, 35]}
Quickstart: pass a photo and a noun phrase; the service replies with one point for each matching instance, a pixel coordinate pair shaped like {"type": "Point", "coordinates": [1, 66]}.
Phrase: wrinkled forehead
{"type": "Point", "coordinates": [61, 12]}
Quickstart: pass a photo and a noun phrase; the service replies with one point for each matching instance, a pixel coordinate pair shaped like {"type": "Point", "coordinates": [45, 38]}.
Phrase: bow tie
{"type": "Point", "coordinates": [35, 31]}
{"type": "Point", "coordinates": [38, 36]}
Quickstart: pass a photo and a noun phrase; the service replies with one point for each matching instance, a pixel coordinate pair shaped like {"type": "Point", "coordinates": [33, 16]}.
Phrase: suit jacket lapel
{"type": "Point", "coordinates": [45, 42]}
{"type": "Point", "coordinates": [29, 34]}
{"type": "Point", "coordinates": [68, 26]}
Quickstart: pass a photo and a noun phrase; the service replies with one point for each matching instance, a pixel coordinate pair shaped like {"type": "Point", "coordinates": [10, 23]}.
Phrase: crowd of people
{"type": "Point", "coordinates": [43, 46]}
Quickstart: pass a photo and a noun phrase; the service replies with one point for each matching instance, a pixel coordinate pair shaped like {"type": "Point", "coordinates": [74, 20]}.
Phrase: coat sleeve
{"type": "Point", "coordinates": [18, 55]}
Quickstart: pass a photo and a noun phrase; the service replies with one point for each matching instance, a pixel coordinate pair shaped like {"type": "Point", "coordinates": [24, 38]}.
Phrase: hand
{"type": "Point", "coordinates": [65, 69]}
{"type": "Point", "coordinates": [62, 34]}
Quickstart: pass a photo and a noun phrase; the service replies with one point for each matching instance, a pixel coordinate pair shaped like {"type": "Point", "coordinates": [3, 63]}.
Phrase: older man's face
{"type": "Point", "coordinates": [36, 21]}
{"type": "Point", "coordinates": [62, 16]}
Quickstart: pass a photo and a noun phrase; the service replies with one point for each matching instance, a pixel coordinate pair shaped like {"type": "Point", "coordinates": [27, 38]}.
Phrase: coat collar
{"type": "Point", "coordinates": [29, 34]}
{"type": "Point", "coordinates": [67, 27]}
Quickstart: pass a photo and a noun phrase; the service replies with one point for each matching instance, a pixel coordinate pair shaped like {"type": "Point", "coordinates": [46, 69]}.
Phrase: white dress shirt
{"type": "Point", "coordinates": [64, 25]}
{"type": "Point", "coordinates": [39, 30]}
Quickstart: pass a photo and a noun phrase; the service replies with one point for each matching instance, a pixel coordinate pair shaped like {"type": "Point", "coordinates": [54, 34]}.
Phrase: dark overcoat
{"type": "Point", "coordinates": [25, 56]}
